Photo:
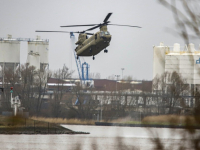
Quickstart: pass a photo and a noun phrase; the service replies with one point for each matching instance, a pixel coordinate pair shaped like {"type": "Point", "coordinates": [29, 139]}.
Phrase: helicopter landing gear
{"type": "Point", "coordinates": [93, 58]}
{"type": "Point", "coordinates": [77, 57]}
{"type": "Point", "coordinates": [105, 51]}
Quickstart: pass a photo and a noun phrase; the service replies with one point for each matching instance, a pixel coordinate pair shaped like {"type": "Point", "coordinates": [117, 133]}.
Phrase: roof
{"type": "Point", "coordinates": [55, 80]}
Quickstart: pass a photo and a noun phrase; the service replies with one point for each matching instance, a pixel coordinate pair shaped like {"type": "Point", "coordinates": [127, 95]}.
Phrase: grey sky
{"type": "Point", "coordinates": [130, 48]}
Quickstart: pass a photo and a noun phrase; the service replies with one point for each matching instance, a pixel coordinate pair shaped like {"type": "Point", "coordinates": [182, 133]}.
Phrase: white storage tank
{"type": "Point", "coordinates": [172, 62]}
{"type": "Point", "coordinates": [34, 60]}
{"type": "Point", "coordinates": [191, 47]}
{"type": "Point", "coordinates": [159, 59]}
{"type": "Point", "coordinates": [176, 47]}
{"type": "Point", "coordinates": [41, 48]}
{"type": "Point", "coordinates": [9, 52]}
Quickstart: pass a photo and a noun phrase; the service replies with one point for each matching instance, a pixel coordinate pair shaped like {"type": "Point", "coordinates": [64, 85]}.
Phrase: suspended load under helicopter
{"type": "Point", "coordinates": [91, 46]}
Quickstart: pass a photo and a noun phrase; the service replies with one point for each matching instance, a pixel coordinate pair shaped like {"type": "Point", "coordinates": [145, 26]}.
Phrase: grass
{"type": "Point", "coordinates": [159, 120]}
{"type": "Point", "coordinates": [40, 121]}
{"type": "Point", "coordinates": [169, 120]}
{"type": "Point", "coordinates": [20, 122]}
{"type": "Point", "coordinates": [65, 121]}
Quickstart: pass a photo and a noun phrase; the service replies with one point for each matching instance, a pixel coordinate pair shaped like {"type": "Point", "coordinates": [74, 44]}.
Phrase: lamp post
{"type": "Point", "coordinates": [11, 91]}
{"type": "Point", "coordinates": [122, 73]}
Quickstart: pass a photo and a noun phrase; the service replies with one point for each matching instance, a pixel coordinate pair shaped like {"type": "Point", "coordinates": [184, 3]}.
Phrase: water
{"type": "Point", "coordinates": [100, 137]}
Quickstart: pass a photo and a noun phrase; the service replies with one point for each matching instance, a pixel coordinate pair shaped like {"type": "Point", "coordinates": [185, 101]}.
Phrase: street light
{"type": "Point", "coordinates": [122, 73]}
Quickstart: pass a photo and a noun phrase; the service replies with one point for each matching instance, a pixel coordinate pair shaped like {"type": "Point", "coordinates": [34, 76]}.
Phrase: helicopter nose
{"type": "Point", "coordinates": [108, 37]}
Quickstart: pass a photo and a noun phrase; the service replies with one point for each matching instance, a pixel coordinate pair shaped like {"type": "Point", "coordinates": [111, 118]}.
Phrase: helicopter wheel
{"type": "Point", "coordinates": [105, 51]}
{"type": "Point", "coordinates": [93, 58]}
{"type": "Point", "coordinates": [90, 50]}
{"type": "Point", "coordinates": [77, 57]}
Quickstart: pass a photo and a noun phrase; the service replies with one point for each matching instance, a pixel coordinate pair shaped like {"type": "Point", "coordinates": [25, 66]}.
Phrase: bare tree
{"type": "Point", "coordinates": [60, 89]}
{"type": "Point", "coordinates": [171, 87]}
{"type": "Point", "coordinates": [187, 18]}
{"type": "Point", "coordinates": [111, 77]}
{"type": "Point", "coordinates": [95, 75]}
{"type": "Point", "coordinates": [85, 104]}
{"type": "Point", "coordinates": [29, 84]}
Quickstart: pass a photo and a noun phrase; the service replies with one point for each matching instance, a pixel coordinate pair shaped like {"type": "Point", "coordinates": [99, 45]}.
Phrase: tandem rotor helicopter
{"type": "Point", "coordinates": [94, 44]}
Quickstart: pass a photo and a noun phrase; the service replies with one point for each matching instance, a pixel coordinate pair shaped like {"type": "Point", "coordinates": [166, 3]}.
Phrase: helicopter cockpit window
{"type": "Point", "coordinates": [86, 37]}
{"type": "Point", "coordinates": [102, 33]}
{"type": "Point", "coordinates": [107, 33]}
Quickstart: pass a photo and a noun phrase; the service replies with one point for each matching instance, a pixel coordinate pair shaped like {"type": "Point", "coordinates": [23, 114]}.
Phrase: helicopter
{"type": "Point", "coordinates": [91, 46]}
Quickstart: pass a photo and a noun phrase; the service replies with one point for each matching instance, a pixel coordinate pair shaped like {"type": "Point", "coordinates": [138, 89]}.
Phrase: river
{"type": "Point", "coordinates": [100, 138]}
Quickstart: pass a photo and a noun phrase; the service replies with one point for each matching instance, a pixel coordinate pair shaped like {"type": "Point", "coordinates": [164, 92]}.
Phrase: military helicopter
{"type": "Point", "coordinates": [94, 44]}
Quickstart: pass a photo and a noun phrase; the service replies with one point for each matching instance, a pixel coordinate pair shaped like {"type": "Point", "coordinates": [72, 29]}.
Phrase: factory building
{"type": "Point", "coordinates": [37, 54]}
{"type": "Point", "coordinates": [184, 60]}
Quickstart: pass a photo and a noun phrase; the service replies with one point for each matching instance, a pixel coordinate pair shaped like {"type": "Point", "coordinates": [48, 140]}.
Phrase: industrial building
{"type": "Point", "coordinates": [37, 53]}
{"type": "Point", "coordinates": [184, 60]}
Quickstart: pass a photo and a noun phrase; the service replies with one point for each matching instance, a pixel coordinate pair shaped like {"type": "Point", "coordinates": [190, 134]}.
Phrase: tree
{"type": "Point", "coordinates": [85, 104]}
{"type": "Point", "coordinates": [29, 84]}
{"type": "Point", "coordinates": [95, 75]}
{"type": "Point", "coordinates": [187, 19]}
{"type": "Point", "coordinates": [171, 87]}
{"type": "Point", "coordinates": [60, 89]}
{"type": "Point", "coordinates": [111, 77]}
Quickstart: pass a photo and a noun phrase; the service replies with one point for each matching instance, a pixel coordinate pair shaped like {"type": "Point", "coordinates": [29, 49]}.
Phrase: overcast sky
{"type": "Point", "coordinates": [130, 48]}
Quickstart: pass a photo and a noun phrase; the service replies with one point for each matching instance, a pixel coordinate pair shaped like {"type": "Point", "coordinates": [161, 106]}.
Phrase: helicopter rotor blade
{"type": "Point", "coordinates": [66, 32]}
{"type": "Point", "coordinates": [107, 17]}
{"type": "Point", "coordinates": [89, 33]}
{"type": "Point", "coordinates": [124, 25]}
{"type": "Point", "coordinates": [53, 31]}
{"type": "Point", "coordinates": [93, 27]}
{"type": "Point", "coordinates": [80, 25]}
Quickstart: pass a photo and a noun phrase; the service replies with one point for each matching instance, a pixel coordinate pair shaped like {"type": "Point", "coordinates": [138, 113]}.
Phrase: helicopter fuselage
{"type": "Point", "coordinates": [93, 45]}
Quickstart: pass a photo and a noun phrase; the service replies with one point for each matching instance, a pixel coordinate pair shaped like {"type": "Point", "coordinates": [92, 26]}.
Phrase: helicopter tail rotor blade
{"type": "Point", "coordinates": [124, 25]}
{"type": "Point", "coordinates": [107, 17]}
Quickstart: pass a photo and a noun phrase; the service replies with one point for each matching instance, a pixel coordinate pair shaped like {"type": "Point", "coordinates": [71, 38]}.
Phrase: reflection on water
{"type": "Point", "coordinates": [100, 137]}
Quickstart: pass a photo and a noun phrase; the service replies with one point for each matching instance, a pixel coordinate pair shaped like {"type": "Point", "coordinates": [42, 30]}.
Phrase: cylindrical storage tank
{"type": "Point", "coordinates": [41, 47]}
{"type": "Point", "coordinates": [176, 47]}
{"type": "Point", "coordinates": [44, 54]}
{"type": "Point", "coordinates": [158, 60]}
{"type": "Point", "coordinates": [34, 60]}
{"type": "Point", "coordinates": [191, 47]}
{"type": "Point", "coordinates": [9, 53]}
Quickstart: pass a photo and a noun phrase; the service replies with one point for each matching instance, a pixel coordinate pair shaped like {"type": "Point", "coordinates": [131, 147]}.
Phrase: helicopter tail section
{"type": "Point", "coordinates": [71, 34]}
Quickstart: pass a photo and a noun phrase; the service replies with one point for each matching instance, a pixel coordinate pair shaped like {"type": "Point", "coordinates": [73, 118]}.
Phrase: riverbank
{"type": "Point", "coordinates": [19, 125]}
{"type": "Point", "coordinates": [38, 130]}
{"type": "Point", "coordinates": [145, 125]}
